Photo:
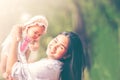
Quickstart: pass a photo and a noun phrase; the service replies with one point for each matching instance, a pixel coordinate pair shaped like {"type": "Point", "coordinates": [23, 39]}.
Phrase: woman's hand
{"type": "Point", "coordinates": [17, 32]}
{"type": "Point", "coordinates": [6, 76]}
{"type": "Point", "coordinates": [16, 35]}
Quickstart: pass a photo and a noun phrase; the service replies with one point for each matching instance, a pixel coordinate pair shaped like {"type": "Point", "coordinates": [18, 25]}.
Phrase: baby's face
{"type": "Point", "coordinates": [35, 32]}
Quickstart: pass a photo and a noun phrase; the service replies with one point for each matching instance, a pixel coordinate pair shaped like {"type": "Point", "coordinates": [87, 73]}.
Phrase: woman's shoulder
{"type": "Point", "coordinates": [49, 63]}
{"type": "Point", "coordinates": [46, 68]}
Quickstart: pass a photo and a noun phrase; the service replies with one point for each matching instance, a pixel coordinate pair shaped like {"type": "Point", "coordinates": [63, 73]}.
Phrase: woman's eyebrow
{"type": "Point", "coordinates": [61, 43]}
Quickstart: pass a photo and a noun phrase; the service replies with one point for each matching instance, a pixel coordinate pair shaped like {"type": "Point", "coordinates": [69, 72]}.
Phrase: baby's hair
{"type": "Point", "coordinates": [37, 20]}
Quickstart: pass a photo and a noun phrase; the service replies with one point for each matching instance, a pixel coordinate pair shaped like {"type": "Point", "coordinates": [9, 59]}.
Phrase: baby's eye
{"type": "Point", "coordinates": [35, 32]}
{"type": "Point", "coordinates": [39, 34]}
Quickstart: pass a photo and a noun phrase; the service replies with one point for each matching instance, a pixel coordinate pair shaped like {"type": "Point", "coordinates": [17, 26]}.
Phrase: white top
{"type": "Point", "coordinates": [45, 69]}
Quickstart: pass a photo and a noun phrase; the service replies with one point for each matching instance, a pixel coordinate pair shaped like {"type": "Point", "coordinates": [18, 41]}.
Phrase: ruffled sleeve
{"type": "Point", "coordinates": [21, 71]}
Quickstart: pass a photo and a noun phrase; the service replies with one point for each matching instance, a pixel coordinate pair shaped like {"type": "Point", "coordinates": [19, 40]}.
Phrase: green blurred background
{"type": "Point", "coordinates": [96, 21]}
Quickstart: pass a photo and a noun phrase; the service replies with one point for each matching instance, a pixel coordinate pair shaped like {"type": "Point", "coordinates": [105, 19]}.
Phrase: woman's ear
{"type": "Point", "coordinates": [66, 56]}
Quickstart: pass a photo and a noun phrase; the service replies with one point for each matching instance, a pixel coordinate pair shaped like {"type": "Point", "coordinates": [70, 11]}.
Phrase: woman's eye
{"type": "Point", "coordinates": [61, 47]}
{"type": "Point", "coordinates": [55, 41]}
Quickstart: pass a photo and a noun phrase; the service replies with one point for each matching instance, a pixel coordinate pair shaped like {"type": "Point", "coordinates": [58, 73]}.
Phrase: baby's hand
{"type": "Point", "coordinates": [34, 45]}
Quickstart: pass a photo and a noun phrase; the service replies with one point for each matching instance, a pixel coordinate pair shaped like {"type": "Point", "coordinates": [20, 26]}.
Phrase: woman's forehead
{"type": "Point", "coordinates": [64, 40]}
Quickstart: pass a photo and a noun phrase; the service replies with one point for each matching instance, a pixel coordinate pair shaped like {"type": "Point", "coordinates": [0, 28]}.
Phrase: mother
{"type": "Point", "coordinates": [65, 61]}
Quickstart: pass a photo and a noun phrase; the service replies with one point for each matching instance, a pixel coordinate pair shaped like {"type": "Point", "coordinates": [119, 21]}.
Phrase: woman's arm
{"type": "Point", "coordinates": [3, 63]}
{"type": "Point", "coordinates": [12, 56]}
{"type": "Point", "coordinates": [16, 34]}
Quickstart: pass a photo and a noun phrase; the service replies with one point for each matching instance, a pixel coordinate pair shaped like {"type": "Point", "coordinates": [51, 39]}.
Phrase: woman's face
{"type": "Point", "coordinates": [35, 32]}
{"type": "Point", "coordinates": [57, 47]}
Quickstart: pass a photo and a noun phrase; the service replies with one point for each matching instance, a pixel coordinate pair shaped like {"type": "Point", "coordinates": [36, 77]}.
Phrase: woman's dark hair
{"type": "Point", "coordinates": [74, 64]}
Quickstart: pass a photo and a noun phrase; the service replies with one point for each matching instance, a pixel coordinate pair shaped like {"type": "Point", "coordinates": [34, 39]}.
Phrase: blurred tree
{"type": "Point", "coordinates": [81, 30]}
{"type": "Point", "coordinates": [101, 19]}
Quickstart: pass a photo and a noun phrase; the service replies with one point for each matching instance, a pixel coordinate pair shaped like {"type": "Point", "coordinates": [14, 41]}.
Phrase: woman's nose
{"type": "Point", "coordinates": [54, 47]}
